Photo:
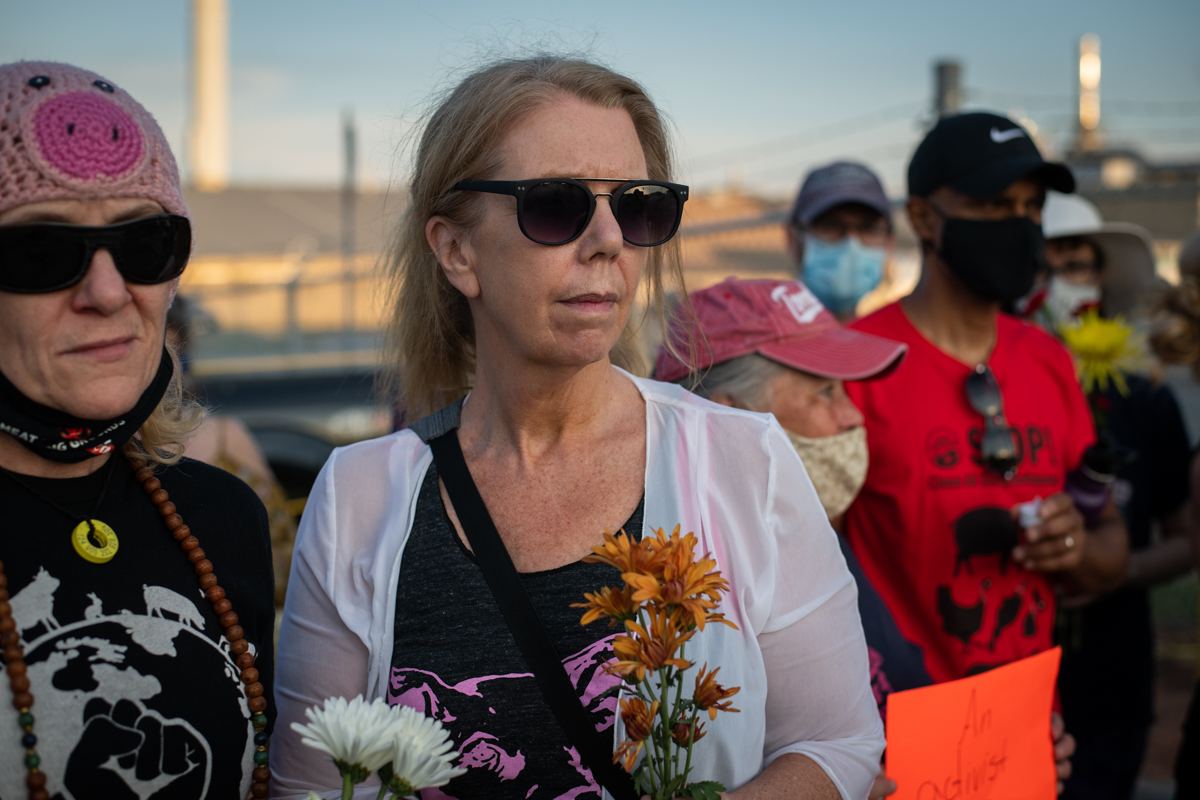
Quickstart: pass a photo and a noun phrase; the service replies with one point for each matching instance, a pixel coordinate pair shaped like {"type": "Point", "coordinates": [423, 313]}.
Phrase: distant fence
{"type": "Point", "coordinates": [273, 295]}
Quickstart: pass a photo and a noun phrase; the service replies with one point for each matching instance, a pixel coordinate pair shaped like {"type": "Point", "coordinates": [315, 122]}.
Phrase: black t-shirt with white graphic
{"type": "Point", "coordinates": [1111, 642]}
{"type": "Point", "coordinates": [455, 660]}
{"type": "Point", "coordinates": [136, 696]}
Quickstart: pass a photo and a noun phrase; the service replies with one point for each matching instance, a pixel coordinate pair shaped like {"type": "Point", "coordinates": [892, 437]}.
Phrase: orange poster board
{"type": "Point", "coordinates": [986, 737]}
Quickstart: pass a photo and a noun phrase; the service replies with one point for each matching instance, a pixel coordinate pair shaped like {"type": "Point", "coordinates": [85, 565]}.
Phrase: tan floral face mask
{"type": "Point", "coordinates": [837, 466]}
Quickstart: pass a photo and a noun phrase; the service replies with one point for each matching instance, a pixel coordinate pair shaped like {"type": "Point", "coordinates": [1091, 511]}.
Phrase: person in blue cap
{"type": "Point", "coordinates": [840, 235]}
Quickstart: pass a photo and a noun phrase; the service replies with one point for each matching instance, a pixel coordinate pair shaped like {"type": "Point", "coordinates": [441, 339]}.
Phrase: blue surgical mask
{"type": "Point", "coordinates": [842, 273]}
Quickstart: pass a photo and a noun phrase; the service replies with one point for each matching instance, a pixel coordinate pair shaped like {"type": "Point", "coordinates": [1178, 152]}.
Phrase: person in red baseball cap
{"type": "Point", "coordinates": [771, 346]}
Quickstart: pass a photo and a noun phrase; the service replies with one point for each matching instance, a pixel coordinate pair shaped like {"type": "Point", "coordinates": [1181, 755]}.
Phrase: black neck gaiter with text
{"type": "Point", "coordinates": [59, 436]}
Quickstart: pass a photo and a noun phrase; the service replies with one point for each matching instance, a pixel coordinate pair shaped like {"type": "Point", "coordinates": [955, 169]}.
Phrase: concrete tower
{"type": "Point", "coordinates": [208, 139]}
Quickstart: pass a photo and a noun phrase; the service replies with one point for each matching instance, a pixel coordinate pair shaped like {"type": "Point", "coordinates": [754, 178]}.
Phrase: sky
{"type": "Point", "coordinates": [758, 92]}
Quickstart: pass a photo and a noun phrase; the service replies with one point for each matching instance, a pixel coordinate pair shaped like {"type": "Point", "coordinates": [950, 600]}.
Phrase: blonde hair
{"type": "Point", "coordinates": [1175, 337]}
{"type": "Point", "coordinates": [176, 419]}
{"type": "Point", "coordinates": [429, 345]}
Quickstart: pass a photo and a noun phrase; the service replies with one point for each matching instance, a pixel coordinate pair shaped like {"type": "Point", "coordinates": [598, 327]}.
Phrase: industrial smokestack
{"type": "Point", "coordinates": [1088, 137]}
{"type": "Point", "coordinates": [208, 139]}
{"type": "Point", "coordinates": [947, 94]}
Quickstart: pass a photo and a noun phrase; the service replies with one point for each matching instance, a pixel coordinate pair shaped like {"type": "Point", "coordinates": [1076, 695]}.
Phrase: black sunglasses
{"type": "Point", "coordinates": [983, 392]}
{"type": "Point", "coordinates": [557, 211]}
{"type": "Point", "coordinates": [49, 256]}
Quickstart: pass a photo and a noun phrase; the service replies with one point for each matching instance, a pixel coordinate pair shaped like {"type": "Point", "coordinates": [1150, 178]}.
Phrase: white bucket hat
{"type": "Point", "coordinates": [1126, 249]}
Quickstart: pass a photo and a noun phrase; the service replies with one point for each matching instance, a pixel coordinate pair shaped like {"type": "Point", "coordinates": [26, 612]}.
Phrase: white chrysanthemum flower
{"type": "Point", "coordinates": [357, 735]}
{"type": "Point", "coordinates": [421, 753]}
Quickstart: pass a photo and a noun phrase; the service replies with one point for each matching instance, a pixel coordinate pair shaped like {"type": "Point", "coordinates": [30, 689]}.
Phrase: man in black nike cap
{"type": "Point", "coordinates": [983, 417]}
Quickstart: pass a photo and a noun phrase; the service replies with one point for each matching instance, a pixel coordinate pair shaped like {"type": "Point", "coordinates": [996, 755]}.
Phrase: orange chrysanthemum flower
{"type": "Point", "coordinates": [638, 718]}
{"type": "Point", "coordinates": [669, 593]}
{"type": "Point", "coordinates": [628, 752]}
{"type": "Point", "coordinates": [622, 552]}
{"type": "Point", "coordinates": [689, 589]}
{"type": "Point", "coordinates": [682, 733]}
{"type": "Point", "coordinates": [709, 694]}
{"type": "Point", "coordinates": [648, 650]}
{"type": "Point", "coordinates": [639, 723]}
{"type": "Point", "coordinates": [616, 604]}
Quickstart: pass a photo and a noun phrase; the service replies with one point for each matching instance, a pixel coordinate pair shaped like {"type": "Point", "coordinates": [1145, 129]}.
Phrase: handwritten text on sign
{"type": "Point", "coordinates": [986, 737]}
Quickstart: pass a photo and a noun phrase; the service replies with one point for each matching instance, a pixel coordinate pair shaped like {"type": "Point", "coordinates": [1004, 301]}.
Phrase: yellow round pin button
{"type": "Point", "coordinates": [105, 535]}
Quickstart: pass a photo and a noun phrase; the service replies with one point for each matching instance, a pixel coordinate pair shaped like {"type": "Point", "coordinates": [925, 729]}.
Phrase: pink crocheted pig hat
{"type": "Point", "coordinates": [66, 133]}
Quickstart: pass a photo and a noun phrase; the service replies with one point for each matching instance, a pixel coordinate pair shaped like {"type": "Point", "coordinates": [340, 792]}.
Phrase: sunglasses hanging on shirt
{"type": "Point", "coordinates": [997, 449]}
{"type": "Point", "coordinates": [51, 256]}
{"type": "Point", "coordinates": [554, 211]}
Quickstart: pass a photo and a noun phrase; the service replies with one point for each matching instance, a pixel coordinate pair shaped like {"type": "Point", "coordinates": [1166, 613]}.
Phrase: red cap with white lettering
{"type": "Point", "coordinates": [781, 320]}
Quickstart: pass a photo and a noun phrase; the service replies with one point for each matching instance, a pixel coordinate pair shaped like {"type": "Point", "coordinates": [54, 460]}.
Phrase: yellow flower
{"type": "Point", "coordinates": [709, 694]}
{"type": "Point", "coordinates": [1104, 350]}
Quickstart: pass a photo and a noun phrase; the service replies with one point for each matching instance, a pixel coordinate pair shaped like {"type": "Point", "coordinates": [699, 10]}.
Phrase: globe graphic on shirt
{"type": "Point", "coordinates": [115, 700]}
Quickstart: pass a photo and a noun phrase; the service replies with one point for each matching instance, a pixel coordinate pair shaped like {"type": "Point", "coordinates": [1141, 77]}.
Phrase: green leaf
{"type": "Point", "coordinates": [641, 781]}
{"type": "Point", "coordinates": [704, 790]}
{"type": "Point", "coordinates": [674, 786]}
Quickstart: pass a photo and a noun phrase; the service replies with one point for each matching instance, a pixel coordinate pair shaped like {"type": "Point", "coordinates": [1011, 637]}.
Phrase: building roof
{"type": "Point", "coordinates": [243, 220]}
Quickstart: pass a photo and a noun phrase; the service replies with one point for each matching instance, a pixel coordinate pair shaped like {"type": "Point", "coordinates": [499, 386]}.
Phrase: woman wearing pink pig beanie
{"type": "Point", "coordinates": [132, 669]}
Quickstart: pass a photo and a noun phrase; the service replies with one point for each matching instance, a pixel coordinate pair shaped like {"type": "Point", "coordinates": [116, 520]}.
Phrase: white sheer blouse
{"type": "Point", "coordinates": [731, 476]}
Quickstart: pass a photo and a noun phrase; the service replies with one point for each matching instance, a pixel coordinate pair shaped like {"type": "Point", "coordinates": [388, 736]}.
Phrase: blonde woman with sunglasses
{"type": "Point", "coordinates": [541, 205]}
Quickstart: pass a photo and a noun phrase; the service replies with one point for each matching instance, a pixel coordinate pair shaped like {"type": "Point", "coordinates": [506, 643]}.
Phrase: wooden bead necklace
{"type": "Point", "coordinates": [14, 654]}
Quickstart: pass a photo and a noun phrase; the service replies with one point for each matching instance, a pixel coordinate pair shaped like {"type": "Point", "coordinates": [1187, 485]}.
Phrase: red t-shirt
{"type": "Point", "coordinates": [930, 525]}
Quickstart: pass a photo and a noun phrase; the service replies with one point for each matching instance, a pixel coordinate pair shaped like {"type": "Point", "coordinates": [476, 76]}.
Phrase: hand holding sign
{"type": "Point", "coordinates": [986, 737]}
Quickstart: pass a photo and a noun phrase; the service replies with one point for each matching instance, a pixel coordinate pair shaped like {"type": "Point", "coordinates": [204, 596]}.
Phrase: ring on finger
{"type": "Point", "coordinates": [1069, 541]}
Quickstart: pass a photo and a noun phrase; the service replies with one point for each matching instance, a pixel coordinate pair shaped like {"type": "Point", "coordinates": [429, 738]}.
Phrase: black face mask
{"type": "Point", "coordinates": [58, 436]}
{"type": "Point", "coordinates": [996, 259]}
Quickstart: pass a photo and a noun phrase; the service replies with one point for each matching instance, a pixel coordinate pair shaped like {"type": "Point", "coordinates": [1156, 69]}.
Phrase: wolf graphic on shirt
{"type": "Point", "coordinates": [985, 537]}
{"type": "Point", "coordinates": [106, 689]}
{"type": "Point", "coordinates": [459, 707]}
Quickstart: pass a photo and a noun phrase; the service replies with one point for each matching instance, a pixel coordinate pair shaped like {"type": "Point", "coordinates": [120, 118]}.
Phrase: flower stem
{"type": "Point", "coordinates": [347, 786]}
{"type": "Point", "coordinates": [675, 711]}
{"type": "Point", "coordinates": [664, 686]}
{"type": "Point", "coordinates": [653, 752]}
{"type": "Point", "coordinates": [687, 771]}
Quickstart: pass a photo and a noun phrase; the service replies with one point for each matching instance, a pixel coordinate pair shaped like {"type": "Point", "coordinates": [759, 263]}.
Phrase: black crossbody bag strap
{"type": "Point", "coordinates": [595, 749]}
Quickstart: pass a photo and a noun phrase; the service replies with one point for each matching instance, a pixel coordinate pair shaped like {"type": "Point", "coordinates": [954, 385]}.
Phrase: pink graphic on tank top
{"type": "Point", "coordinates": [467, 710]}
{"type": "Point", "coordinates": [85, 135]}
{"type": "Point", "coordinates": [480, 751]}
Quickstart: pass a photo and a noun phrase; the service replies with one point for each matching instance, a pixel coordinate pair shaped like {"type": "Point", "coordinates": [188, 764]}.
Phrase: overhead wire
{"type": "Point", "coordinates": [813, 136]}
{"type": "Point", "coordinates": [915, 110]}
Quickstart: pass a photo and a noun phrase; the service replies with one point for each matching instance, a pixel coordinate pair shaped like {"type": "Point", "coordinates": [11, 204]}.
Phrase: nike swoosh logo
{"type": "Point", "coordinates": [999, 136]}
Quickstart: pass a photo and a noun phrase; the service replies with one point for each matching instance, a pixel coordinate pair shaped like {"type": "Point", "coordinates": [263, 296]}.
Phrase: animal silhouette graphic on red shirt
{"type": "Point", "coordinates": [990, 530]}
